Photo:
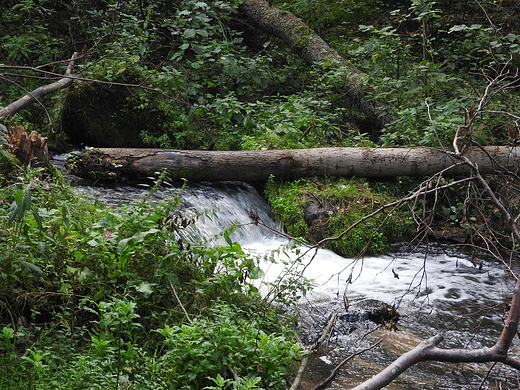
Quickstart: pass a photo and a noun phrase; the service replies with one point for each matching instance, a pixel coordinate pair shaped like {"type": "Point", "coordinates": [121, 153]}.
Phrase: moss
{"type": "Point", "coordinates": [313, 209]}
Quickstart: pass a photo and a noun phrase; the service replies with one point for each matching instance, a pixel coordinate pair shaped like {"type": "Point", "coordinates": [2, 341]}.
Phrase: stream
{"type": "Point", "coordinates": [435, 289]}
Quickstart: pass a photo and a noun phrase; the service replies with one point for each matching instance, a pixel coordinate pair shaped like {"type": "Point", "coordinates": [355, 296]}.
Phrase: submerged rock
{"type": "Point", "coordinates": [370, 309]}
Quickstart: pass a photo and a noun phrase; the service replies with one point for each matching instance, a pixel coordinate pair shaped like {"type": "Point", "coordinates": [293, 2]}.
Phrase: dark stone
{"type": "Point", "coordinates": [316, 215]}
{"type": "Point", "coordinates": [316, 211]}
{"type": "Point", "coordinates": [370, 309]}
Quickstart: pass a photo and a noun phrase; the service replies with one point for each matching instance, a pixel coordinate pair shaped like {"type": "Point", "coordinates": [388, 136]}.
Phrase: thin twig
{"type": "Point", "coordinates": [179, 302]}
{"type": "Point", "coordinates": [311, 350]}
{"type": "Point", "coordinates": [75, 77]}
{"type": "Point", "coordinates": [333, 373]}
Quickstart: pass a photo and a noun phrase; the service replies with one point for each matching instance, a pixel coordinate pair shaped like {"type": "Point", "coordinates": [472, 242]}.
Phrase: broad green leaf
{"type": "Point", "coordinates": [145, 288]}
{"type": "Point", "coordinates": [189, 33]}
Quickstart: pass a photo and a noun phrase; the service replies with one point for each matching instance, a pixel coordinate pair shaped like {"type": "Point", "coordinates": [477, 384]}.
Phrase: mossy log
{"type": "Point", "coordinates": [305, 42]}
{"type": "Point", "coordinates": [257, 165]}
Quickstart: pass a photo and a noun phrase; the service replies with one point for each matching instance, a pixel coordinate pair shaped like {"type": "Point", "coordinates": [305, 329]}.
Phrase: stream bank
{"type": "Point", "coordinates": [437, 288]}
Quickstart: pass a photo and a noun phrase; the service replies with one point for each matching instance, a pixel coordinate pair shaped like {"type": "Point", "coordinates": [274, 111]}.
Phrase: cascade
{"type": "Point", "coordinates": [433, 289]}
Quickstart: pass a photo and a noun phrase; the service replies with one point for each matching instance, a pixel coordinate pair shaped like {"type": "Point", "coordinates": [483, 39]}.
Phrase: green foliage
{"type": "Point", "coordinates": [3, 142]}
{"type": "Point", "coordinates": [230, 339]}
{"type": "Point", "coordinates": [342, 202]}
{"type": "Point", "coordinates": [105, 277]}
{"type": "Point", "coordinates": [225, 86]}
{"type": "Point", "coordinates": [219, 92]}
{"type": "Point", "coordinates": [336, 20]}
{"type": "Point", "coordinates": [99, 282]}
{"type": "Point", "coordinates": [424, 67]}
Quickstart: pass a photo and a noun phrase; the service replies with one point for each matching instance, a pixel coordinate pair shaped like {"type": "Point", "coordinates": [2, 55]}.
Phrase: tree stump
{"type": "Point", "coordinates": [28, 148]}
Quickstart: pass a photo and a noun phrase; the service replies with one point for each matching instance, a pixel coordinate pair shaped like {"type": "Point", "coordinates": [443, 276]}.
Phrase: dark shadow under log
{"type": "Point", "coordinates": [258, 165]}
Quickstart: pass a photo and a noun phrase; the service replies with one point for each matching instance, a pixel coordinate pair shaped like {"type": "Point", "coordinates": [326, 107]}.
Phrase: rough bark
{"type": "Point", "coordinates": [258, 165]}
{"type": "Point", "coordinates": [312, 49]}
{"type": "Point", "coordinates": [28, 148]}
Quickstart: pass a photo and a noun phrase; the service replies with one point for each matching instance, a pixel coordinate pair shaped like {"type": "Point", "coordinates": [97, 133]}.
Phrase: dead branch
{"type": "Point", "coordinates": [428, 350]}
{"type": "Point", "coordinates": [395, 369]}
{"type": "Point", "coordinates": [60, 83]}
{"type": "Point", "coordinates": [311, 350]}
{"type": "Point", "coordinates": [421, 191]}
{"type": "Point", "coordinates": [74, 77]}
{"type": "Point", "coordinates": [180, 302]}
{"type": "Point", "coordinates": [40, 92]}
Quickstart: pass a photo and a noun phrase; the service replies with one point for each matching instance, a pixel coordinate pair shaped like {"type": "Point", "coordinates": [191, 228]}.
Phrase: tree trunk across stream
{"type": "Point", "coordinates": [258, 165]}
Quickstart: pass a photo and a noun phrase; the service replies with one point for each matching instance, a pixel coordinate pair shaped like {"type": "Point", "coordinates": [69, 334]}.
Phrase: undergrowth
{"type": "Point", "coordinates": [99, 298]}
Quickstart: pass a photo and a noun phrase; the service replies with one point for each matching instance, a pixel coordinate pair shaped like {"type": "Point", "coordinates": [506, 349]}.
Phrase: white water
{"type": "Point", "coordinates": [423, 278]}
{"type": "Point", "coordinates": [434, 291]}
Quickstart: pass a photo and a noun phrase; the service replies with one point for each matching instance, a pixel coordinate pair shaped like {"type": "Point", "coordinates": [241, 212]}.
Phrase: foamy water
{"type": "Point", "coordinates": [399, 279]}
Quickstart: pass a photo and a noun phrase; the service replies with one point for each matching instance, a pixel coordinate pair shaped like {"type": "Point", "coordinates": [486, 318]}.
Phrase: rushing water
{"type": "Point", "coordinates": [433, 289]}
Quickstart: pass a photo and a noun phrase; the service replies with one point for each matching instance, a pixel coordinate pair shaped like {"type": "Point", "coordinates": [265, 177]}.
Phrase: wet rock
{"type": "Point", "coordinates": [370, 309]}
{"type": "Point", "coordinates": [316, 215]}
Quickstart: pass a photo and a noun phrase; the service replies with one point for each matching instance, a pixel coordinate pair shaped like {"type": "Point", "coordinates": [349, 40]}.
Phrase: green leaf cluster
{"type": "Point", "coordinates": [101, 297]}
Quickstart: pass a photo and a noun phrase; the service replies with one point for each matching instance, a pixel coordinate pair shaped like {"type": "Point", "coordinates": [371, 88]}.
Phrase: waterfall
{"type": "Point", "coordinates": [427, 276]}
{"type": "Point", "coordinates": [433, 289]}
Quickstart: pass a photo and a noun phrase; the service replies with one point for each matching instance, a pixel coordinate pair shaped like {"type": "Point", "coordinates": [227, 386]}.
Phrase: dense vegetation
{"type": "Point", "coordinates": [88, 298]}
{"type": "Point", "coordinates": [222, 84]}
{"type": "Point", "coordinates": [120, 297]}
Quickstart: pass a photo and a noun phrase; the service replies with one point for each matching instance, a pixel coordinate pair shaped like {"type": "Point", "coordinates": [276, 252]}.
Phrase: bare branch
{"type": "Point", "coordinates": [72, 77]}
{"type": "Point", "coordinates": [393, 205]}
{"type": "Point", "coordinates": [180, 302]}
{"type": "Point", "coordinates": [311, 350]}
{"type": "Point", "coordinates": [399, 366]}
{"type": "Point", "coordinates": [428, 350]}
{"type": "Point", "coordinates": [40, 92]}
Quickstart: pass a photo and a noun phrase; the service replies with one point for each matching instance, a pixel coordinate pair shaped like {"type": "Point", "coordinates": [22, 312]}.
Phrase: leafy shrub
{"type": "Point", "coordinates": [231, 340]}
{"type": "Point", "coordinates": [99, 281]}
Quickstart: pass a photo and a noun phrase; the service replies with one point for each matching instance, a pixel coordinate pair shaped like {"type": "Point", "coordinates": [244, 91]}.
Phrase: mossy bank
{"type": "Point", "coordinates": [313, 209]}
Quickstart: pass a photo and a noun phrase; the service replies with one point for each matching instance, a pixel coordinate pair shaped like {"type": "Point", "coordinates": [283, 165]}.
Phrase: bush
{"type": "Point", "coordinates": [87, 292]}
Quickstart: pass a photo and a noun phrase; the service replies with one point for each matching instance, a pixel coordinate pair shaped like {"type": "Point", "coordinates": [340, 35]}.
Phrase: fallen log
{"type": "Point", "coordinates": [302, 40]}
{"type": "Point", "coordinates": [258, 165]}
